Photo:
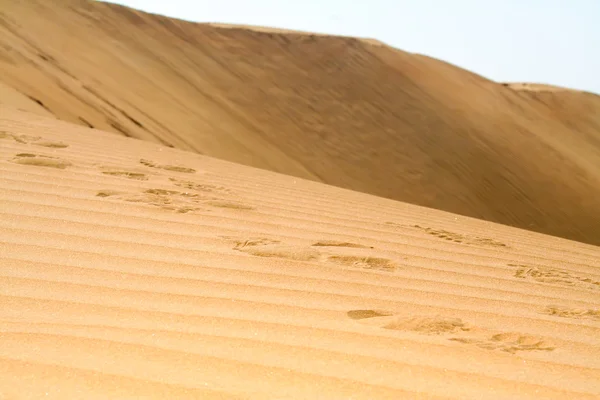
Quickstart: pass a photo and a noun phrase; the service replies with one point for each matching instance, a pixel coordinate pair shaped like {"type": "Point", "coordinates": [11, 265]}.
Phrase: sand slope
{"type": "Point", "coordinates": [345, 111]}
{"type": "Point", "coordinates": [132, 270]}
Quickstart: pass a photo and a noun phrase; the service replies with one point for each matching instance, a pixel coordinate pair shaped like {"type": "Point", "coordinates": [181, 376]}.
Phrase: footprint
{"type": "Point", "coordinates": [28, 139]}
{"type": "Point", "coordinates": [180, 209]}
{"type": "Point", "coordinates": [373, 263]}
{"type": "Point", "coordinates": [242, 243]}
{"type": "Point", "coordinates": [24, 139]}
{"type": "Point", "coordinates": [429, 325]}
{"type": "Point", "coordinates": [168, 200]}
{"type": "Point", "coordinates": [263, 247]}
{"type": "Point", "coordinates": [282, 251]}
{"type": "Point", "coordinates": [575, 313]}
{"type": "Point", "coordinates": [456, 237]}
{"type": "Point", "coordinates": [148, 163]}
{"type": "Point", "coordinates": [161, 192]}
{"type": "Point", "coordinates": [40, 161]}
{"type": "Point", "coordinates": [174, 168]}
{"type": "Point", "coordinates": [200, 187]}
{"type": "Point", "coordinates": [364, 314]}
{"type": "Point", "coordinates": [296, 253]}
{"type": "Point", "coordinates": [488, 242]}
{"type": "Point", "coordinates": [421, 324]}
{"type": "Point", "coordinates": [178, 169]}
{"type": "Point", "coordinates": [556, 276]}
{"type": "Point", "coordinates": [107, 193]}
{"type": "Point", "coordinates": [218, 202]}
{"type": "Point", "coordinates": [334, 243]}
{"type": "Point", "coordinates": [229, 204]}
{"type": "Point", "coordinates": [510, 342]}
{"type": "Point", "coordinates": [138, 176]}
{"type": "Point", "coordinates": [54, 145]}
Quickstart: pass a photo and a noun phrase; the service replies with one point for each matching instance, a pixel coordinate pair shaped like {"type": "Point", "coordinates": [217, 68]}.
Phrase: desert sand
{"type": "Point", "coordinates": [211, 211]}
{"type": "Point", "coordinates": [337, 110]}
{"type": "Point", "coordinates": [132, 270]}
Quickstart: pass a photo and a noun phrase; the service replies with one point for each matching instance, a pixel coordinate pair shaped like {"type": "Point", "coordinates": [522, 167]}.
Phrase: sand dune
{"type": "Point", "coordinates": [133, 270]}
{"type": "Point", "coordinates": [337, 110]}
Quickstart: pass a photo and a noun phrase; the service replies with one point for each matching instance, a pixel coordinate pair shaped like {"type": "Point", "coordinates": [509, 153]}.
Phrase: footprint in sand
{"type": "Point", "coordinates": [423, 325]}
{"type": "Point", "coordinates": [53, 145]}
{"type": "Point", "coordinates": [453, 236]}
{"type": "Point", "coordinates": [40, 161]}
{"type": "Point", "coordinates": [557, 276]}
{"type": "Point", "coordinates": [264, 247]}
{"type": "Point", "coordinates": [200, 187]}
{"type": "Point", "coordinates": [138, 176]}
{"type": "Point", "coordinates": [174, 168]}
{"type": "Point", "coordinates": [250, 242]}
{"type": "Point", "coordinates": [108, 193]}
{"type": "Point", "coordinates": [354, 256]}
{"type": "Point", "coordinates": [23, 139]}
{"type": "Point", "coordinates": [168, 200]}
{"type": "Point", "coordinates": [283, 251]}
{"type": "Point", "coordinates": [510, 342]}
{"type": "Point", "coordinates": [574, 313]}
{"type": "Point", "coordinates": [222, 198]}
{"type": "Point", "coordinates": [232, 205]}
{"type": "Point", "coordinates": [364, 314]}
{"type": "Point", "coordinates": [364, 262]}
{"type": "Point", "coordinates": [429, 325]}
{"type": "Point", "coordinates": [460, 238]}
{"type": "Point", "coordinates": [36, 140]}
{"type": "Point", "coordinates": [335, 243]}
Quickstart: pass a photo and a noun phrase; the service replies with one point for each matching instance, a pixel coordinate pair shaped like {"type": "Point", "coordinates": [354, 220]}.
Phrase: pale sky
{"type": "Point", "coordinates": [540, 41]}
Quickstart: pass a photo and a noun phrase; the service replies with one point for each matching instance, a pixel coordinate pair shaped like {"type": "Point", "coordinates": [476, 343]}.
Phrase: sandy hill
{"type": "Point", "coordinates": [132, 270]}
{"type": "Point", "coordinates": [339, 110]}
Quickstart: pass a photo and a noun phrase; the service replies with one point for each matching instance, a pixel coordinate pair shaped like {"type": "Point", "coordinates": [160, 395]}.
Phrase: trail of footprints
{"type": "Point", "coordinates": [175, 168]}
{"type": "Point", "coordinates": [35, 159]}
{"type": "Point", "coordinates": [453, 236]}
{"type": "Point", "coordinates": [361, 256]}
{"type": "Point", "coordinates": [142, 175]}
{"type": "Point", "coordinates": [193, 196]}
{"type": "Point", "coordinates": [35, 140]}
{"type": "Point", "coordinates": [454, 330]}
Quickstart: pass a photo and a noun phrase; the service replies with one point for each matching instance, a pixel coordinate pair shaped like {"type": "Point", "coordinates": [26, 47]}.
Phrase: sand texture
{"type": "Point", "coordinates": [131, 270]}
{"type": "Point", "coordinates": [345, 111]}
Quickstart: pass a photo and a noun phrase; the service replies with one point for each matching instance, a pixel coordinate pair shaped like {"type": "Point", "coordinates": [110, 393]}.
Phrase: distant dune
{"type": "Point", "coordinates": [131, 270]}
{"type": "Point", "coordinates": [337, 110]}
